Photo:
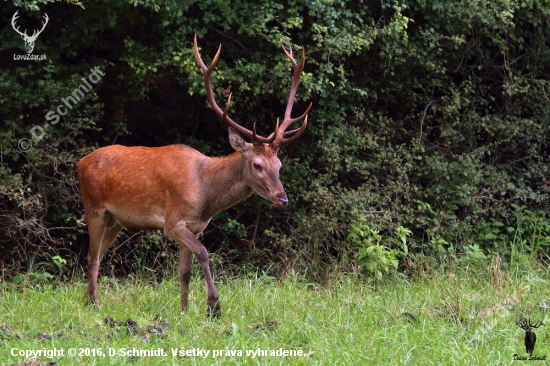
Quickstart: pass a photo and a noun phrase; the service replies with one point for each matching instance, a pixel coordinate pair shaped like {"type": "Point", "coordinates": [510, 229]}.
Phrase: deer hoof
{"type": "Point", "coordinates": [214, 312]}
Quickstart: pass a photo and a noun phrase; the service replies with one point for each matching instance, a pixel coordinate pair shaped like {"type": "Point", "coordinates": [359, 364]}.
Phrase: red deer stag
{"type": "Point", "coordinates": [178, 189]}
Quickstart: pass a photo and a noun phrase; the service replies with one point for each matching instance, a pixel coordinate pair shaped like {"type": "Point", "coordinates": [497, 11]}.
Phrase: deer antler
{"type": "Point", "coordinates": [527, 324]}
{"type": "Point", "coordinates": [25, 36]}
{"type": "Point", "coordinates": [535, 324]}
{"type": "Point", "coordinates": [279, 136]}
{"type": "Point", "coordinates": [13, 20]}
{"type": "Point", "coordinates": [29, 40]}
{"type": "Point", "coordinates": [36, 33]}
{"type": "Point", "coordinates": [207, 71]}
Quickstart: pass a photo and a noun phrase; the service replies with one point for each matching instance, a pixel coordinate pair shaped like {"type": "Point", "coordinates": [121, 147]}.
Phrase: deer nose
{"type": "Point", "coordinates": [283, 200]}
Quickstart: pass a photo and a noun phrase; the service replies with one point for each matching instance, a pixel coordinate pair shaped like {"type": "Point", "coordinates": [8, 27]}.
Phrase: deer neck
{"type": "Point", "coordinates": [226, 185]}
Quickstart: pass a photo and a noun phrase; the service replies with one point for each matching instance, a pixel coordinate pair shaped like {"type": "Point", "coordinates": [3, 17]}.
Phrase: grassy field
{"type": "Point", "coordinates": [446, 317]}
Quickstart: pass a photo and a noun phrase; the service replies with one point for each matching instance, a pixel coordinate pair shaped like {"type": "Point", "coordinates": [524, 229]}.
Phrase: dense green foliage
{"type": "Point", "coordinates": [430, 126]}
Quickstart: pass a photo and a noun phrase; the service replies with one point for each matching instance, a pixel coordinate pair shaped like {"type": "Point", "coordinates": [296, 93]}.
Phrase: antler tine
{"type": "Point", "coordinates": [535, 324]}
{"type": "Point", "coordinates": [37, 32]}
{"type": "Point", "coordinates": [227, 104]}
{"type": "Point", "coordinates": [254, 136]}
{"type": "Point", "coordinates": [295, 82]}
{"type": "Point", "coordinates": [46, 18]}
{"type": "Point", "coordinates": [302, 116]}
{"type": "Point", "coordinates": [14, 26]}
{"type": "Point", "coordinates": [297, 133]}
{"type": "Point", "coordinates": [207, 71]}
{"type": "Point", "coordinates": [521, 322]}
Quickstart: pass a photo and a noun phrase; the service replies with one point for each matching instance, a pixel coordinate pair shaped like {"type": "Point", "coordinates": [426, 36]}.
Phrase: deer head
{"type": "Point", "coordinates": [29, 40]}
{"type": "Point", "coordinates": [260, 163]}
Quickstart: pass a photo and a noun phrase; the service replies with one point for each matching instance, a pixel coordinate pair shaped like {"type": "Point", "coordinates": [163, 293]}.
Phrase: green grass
{"type": "Point", "coordinates": [456, 318]}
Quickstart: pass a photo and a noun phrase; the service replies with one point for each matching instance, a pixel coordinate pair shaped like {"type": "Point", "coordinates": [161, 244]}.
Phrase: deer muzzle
{"type": "Point", "coordinates": [282, 199]}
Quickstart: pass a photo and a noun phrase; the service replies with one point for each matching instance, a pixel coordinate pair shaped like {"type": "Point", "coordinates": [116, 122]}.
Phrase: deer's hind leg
{"type": "Point", "coordinates": [103, 230]}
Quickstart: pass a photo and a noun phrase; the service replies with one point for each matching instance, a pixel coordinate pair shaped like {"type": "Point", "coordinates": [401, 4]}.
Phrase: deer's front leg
{"type": "Point", "coordinates": [181, 233]}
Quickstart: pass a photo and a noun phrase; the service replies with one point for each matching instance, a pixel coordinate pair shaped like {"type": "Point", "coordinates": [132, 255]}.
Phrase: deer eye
{"type": "Point", "coordinates": [257, 166]}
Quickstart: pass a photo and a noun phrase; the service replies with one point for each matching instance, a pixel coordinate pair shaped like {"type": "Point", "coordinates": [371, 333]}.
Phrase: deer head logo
{"type": "Point", "coordinates": [29, 40]}
{"type": "Point", "coordinates": [530, 337]}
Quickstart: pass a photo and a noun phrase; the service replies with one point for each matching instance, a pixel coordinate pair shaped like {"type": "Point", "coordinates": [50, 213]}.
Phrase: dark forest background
{"type": "Point", "coordinates": [428, 141]}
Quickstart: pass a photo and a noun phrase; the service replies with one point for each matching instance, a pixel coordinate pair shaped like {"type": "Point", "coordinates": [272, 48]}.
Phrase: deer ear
{"type": "Point", "coordinates": [236, 140]}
